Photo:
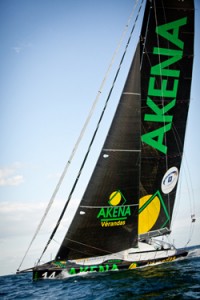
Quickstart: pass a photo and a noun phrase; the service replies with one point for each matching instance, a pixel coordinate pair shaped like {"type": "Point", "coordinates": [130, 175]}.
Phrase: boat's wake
{"type": "Point", "coordinates": [194, 253]}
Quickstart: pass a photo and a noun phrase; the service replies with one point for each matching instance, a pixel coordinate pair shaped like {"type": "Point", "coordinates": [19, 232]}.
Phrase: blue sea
{"type": "Point", "coordinates": [173, 280]}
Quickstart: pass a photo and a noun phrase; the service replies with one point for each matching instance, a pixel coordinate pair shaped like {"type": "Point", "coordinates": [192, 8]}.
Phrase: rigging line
{"type": "Point", "coordinates": [92, 247]}
{"type": "Point", "coordinates": [93, 137]}
{"type": "Point", "coordinates": [144, 50]}
{"type": "Point", "coordinates": [89, 246]}
{"type": "Point", "coordinates": [144, 41]}
{"type": "Point", "coordinates": [82, 131]}
{"type": "Point", "coordinates": [162, 99]}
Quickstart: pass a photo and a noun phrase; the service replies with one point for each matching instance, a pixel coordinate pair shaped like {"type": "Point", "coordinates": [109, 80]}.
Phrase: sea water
{"type": "Point", "coordinates": [173, 280]}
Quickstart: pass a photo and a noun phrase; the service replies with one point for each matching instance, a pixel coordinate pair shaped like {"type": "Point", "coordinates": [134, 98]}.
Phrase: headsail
{"type": "Point", "coordinates": [107, 218]}
{"type": "Point", "coordinates": [167, 56]}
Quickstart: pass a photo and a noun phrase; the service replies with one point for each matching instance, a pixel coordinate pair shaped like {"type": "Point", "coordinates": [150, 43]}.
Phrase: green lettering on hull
{"type": "Point", "coordinates": [97, 268]}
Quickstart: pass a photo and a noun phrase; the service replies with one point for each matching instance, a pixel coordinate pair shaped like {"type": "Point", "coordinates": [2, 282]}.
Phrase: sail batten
{"type": "Point", "coordinates": [128, 93]}
{"type": "Point", "coordinates": [121, 150]}
{"type": "Point", "coordinates": [105, 206]}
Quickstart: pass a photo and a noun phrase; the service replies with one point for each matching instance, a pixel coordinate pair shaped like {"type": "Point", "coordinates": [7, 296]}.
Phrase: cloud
{"type": "Point", "coordinates": [17, 49]}
{"type": "Point", "coordinates": [15, 217]}
{"type": "Point", "coordinates": [9, 176]}
{"type": "Point", "coordinates": [11, 181]}
{"type": "Point", "coordinates": [21, 47]}
{"type": "Point", "coordinates": [15, 208]}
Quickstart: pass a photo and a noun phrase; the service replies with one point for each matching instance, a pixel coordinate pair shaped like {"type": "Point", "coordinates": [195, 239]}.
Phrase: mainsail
{"type": "Point", "coordinates": [107, 218]}
{"type": "Point", "coordinates": [167, 39]}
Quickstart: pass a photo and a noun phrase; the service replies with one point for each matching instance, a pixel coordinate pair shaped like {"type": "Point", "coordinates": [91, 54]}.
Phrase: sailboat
{"type": "Point", "coordinates": [128, 203]}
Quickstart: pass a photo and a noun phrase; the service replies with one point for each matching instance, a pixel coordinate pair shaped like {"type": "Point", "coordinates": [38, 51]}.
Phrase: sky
{"type": "Point", "coordinates": [54, 56]}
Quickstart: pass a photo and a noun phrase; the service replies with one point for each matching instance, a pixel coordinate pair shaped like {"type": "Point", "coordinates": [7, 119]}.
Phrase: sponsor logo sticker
{"type": "Point", "coordinates": [116, 213]}
{"type": "Point", "coordinates": [169, 180]}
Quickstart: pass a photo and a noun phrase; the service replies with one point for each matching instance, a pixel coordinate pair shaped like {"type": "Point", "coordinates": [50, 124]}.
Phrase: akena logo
{"type": "Point", "coordinates": [116, 213]}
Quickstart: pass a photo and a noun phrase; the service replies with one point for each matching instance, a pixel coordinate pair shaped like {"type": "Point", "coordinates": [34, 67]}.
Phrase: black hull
{"type": "Point", "coordinates": [61, 270]}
